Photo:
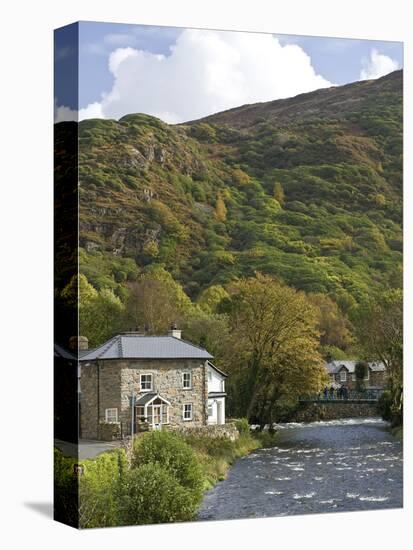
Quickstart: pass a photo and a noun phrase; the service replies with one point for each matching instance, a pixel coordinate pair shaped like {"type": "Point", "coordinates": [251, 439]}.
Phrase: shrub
{"type": "Point", "coordinates": [152, 495]}
{"type": "Point", "coordinates": [99, 489]}
{"type": "Point", "coordinates": [361, 370]}
{"type": "Point", "coordinates": [242, 426]}
{"type": "Point", "coordinates": [384, 405]}
{"type": "Point", "coordinates": [65, 490]}
{"type": "Point", "coordinates": [173, 454]}
{"type": "Point", "coordinates": [120, 276]}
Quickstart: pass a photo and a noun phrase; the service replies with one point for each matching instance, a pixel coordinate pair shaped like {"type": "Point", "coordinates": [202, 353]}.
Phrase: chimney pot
{"type": "Point", "coordinates": [78, 343]}
{"type": "Point", "coordinates": [175, 331]}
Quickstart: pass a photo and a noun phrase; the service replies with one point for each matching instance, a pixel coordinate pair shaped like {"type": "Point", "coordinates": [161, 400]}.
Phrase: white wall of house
{"type": "Point", "coordinates": [216, 382]}
{"type": "Point", "coordinates": [216, 405]}
{"type": "Point", "coordinates": [216, 410]}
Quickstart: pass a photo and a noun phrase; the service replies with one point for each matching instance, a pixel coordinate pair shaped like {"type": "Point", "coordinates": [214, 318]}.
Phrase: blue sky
{"type": "Point", "coordinates": [179, 74]}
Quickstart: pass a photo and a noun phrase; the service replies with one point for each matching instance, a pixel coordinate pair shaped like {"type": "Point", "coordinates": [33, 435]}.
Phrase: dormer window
{"type": "Point", "coordinates": [343, 376]}
{"type": "Point", "coordinates": [146, 382]}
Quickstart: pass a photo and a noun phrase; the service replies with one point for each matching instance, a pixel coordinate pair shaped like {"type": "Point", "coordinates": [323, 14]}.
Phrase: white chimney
{"type": "Point", "coordinates": [175, 331]}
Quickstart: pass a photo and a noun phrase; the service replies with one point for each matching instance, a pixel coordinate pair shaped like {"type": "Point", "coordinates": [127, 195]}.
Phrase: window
{"type": "Point", "coordinates": [111, 416]}
{"type": "Point", "coordinates": [165, 414]}
{"type": "Point", "coordinates": [140, 413]}
{"type": "Point", "coordinates": [210, 410]}
{"type": "Point", "coordinates": [186, 380]}
{"type": "Point", "coordinates": [146, 382]}
{"type": "Point", "coordinates": [367, 374]}
{"type": "Point", "coordinates": [343, 376]}
{"type": "Point", "coordinates": [353, 377]}
{"type": "Point", "coordinates": [187, 411]}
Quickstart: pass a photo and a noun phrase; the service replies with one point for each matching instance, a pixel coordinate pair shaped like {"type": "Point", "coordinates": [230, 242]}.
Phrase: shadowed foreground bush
{"type": "Point", "coordinates": [173, 454]}
{"type": "Point", "coordinates": [152, 495]}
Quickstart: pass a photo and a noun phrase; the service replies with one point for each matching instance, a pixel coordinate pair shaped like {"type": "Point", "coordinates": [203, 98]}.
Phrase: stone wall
{"type": "Point", "coordinates": [167, 381]}
{"type": "Point", "coordinates": [109, 432]}
{"type": "Point", "coordinates": [215, 431]}
{"type": "Point", "coordinates": [376, 379]}
{"type": "Point", "coordinates": [333, 410]}
{"type": "Point", "coordinates": [109, 384]}
{"type": "Point", "coordinates": [100, 390]}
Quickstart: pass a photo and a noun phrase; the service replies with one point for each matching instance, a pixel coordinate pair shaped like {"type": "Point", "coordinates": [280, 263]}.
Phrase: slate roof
{"type": "Point", "coordinates": [134, 346]}
{"type": "Point", "coordinates": [147, 397]}
{"type": "Point", "coordinates": [335, 366]}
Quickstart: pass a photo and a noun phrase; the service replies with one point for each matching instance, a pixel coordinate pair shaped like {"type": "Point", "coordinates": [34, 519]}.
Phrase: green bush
{"type": "Point", "coordinates": [384, 405]}
{"type": "Point", "coordinates": [152, 495]}
{"type": "Point", "coordinates": [66, 490]}
{"type": "Point", "coordinates": [173, 454]}
{"type": "Point", "coordinates": [99, 489]}
{"type": "Point", "coordinates": [120, 276]}
{"type": "Point", "coordinates": [242, 426]}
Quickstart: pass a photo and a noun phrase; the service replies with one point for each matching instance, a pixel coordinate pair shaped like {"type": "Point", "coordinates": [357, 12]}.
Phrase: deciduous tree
{"type": "Point", "coordinates": [274, 345]}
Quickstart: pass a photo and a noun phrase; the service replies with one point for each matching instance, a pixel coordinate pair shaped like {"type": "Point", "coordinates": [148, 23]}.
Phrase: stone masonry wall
{"type": "Point", "coordinates": [215, 431]}
{"type": "Point", "coordinates": [100, 388]}
{"type": "Point", "coordinates": [167, 381]}
{"type": "Point", "coordinates": [109, 384]}
{"type": "Point", "coordinates": [376, 379]}
{"type": "Point", "coordinates": [88, 402]}
{"type": "Point", "coordinates": [310, 412]}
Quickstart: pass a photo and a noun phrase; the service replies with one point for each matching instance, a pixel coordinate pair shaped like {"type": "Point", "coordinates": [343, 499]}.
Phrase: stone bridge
{"type": "Point", "coordinates": [310, 410]}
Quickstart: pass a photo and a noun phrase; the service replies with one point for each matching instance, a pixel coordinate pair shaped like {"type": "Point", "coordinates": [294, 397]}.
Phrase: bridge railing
{"type": "Point", "coordinates": [350, 395]}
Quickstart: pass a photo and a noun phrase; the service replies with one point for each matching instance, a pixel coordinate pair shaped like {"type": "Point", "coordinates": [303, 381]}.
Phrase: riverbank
{"type": "Point", "coordinates": [398, 432]}
{"type": "Point", "coordinates": [217, 455]}
{"type": "Point", "coordinates": [162, 479]}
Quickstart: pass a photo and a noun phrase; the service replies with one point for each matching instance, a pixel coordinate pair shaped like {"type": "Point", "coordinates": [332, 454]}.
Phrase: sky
{"type": "Point", "coordinates": [180, 74]}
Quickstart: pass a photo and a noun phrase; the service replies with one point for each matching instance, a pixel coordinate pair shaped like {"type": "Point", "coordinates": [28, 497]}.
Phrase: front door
{"type": "Point", "coordinates": [157, 417]}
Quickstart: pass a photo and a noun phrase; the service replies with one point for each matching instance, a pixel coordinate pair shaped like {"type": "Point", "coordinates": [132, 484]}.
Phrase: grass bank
{"type": "Point", "coordinates": [398, 432]}
{"type": "Point", "coordinates": [215, 456]}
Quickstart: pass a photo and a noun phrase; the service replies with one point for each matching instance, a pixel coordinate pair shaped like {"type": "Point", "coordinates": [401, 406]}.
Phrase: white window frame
{"type": "Point", "coordinates": [343, 376]}
{"type": "Point", "coordinates": [353, 377]}
{"type": "Point", "coordinates": [140, 381]}
{"type": "Point", "coordinates": [368, 374]}
{"type": "Point", "coordinates": [189, 387]}
{"type": "Point", "coordinates": [184, 418]}
{"type": "Point", "coordinates": [110, 411]}
{"type": "Point", "coordinates": [210, 408]}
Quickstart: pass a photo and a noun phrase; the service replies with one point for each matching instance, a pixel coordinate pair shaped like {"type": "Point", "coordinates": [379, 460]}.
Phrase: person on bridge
{"type": "Point", "coordinates": [326, 393]}
{"type": "Point", "coordinates": [332, 392]}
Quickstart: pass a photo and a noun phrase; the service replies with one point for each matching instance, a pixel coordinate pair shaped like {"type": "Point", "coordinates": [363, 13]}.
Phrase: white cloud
{"type": "Point", "coordinates": [63, 113]}
{"type": "Point", "coordinates": [93, 110]}
{"type": "Point", "coordinates": [206, 72]}
{"type": "Point", "coordinates": [377, 65]}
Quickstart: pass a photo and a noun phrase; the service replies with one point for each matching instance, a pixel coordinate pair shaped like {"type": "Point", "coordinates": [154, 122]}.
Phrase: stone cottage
{"type": "Point", "coordinates": [134, 382]}
{"type": "Point", "coordinates": [343, 373]}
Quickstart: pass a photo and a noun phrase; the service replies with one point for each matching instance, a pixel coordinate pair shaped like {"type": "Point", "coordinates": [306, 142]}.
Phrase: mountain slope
{"type": "Point", "coordinates": [308, 189]}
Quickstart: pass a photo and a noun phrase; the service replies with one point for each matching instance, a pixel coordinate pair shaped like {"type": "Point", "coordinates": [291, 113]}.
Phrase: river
{"type": "Point", "coordinates": [332, 466]}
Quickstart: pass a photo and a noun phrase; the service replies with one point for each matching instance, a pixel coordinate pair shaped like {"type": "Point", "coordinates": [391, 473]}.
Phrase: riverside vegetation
{"type": "Point", "coordinates": [293, 204]}
{"type": "Point", "coordinates": [163, 481]}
